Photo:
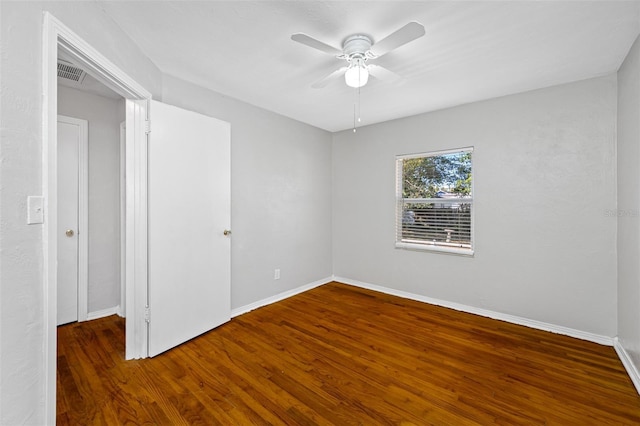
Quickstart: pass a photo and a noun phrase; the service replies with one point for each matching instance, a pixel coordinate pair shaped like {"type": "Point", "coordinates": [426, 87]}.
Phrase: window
{"type": "Point", "coordinates": [434, 207]}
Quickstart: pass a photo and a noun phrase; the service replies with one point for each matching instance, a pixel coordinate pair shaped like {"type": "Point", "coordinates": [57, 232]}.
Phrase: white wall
{"type": "Point", "coordinates": [280, 194]}
{"type": "Point", "coordinates": [629, 205]}
{"type": "Point", "coordinates": [104, 116]}
{"type": "Point", "coordinates": [22, 295]}
{"type": "Point", "coordinates": [544, 175]}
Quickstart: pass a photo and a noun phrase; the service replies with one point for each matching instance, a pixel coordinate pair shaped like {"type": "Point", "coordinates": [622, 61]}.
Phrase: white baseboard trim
{"type": "Point", "coordinates": [628, 364]}
{"type": "Point", "coordinates": [104, 313]}
{"type": "Point", "coordinates": [602, 340]}
{"type": "Point", "coordinates": [278, 297]}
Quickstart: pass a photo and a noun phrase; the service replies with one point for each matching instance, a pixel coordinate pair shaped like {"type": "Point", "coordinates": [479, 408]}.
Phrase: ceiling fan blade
{"type": "Point", "coordinates": [316, 44]}
{"type": "Point", "coordinates": [404, 35]}
{"type": "Point", "coordinates": [326, 80]}
{"type": "Point", "coordinates": [382, 73]}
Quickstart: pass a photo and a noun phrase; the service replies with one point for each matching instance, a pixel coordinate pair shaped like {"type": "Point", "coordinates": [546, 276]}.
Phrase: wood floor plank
{"type": "Point", "coordinates": [338, 354]}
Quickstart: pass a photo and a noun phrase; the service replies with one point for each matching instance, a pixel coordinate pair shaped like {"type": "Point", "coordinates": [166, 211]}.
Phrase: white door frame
{"type": "Point", "coordinates": [122, 309]}
{"type": "Point", "coordinates": [83, 215]}
{"type": "Point", "coordinates": [57, 36]}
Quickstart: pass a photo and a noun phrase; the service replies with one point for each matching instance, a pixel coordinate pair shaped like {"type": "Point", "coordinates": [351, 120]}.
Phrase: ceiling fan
{"type": "Point", "coordinates": [357, 50]}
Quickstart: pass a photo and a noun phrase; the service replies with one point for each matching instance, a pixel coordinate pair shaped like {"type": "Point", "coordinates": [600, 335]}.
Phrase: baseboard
{"type": "Point", "coordinates": [603, 340]}
{"type": "Point", "coordinates": [278, 297]}
{"type": "Point", "coordinates": [104, 313]}
{"type": "Point", "coordinates": [628, 364]}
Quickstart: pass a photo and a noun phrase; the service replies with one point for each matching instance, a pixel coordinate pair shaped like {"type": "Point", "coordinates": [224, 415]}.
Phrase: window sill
{"type": "Point", "coordinates": [436, 249]}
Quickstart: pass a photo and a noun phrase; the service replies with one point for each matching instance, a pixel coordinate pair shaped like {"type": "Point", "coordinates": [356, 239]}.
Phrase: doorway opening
{"type": "Point", "coordinates": [90, 195]}
{"type": "Point", "coordinates": [58, 39]}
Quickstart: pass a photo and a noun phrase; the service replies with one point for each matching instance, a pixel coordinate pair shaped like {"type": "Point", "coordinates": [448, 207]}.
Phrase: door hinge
{"type": "Point", "coordinates": [147, 126]}
{"type": "Point", "coordinates": [147, 314]}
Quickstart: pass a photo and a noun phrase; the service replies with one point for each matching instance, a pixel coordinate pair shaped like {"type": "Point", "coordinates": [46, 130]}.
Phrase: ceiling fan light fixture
{"type": "Point", "coordinates": [357, 75]}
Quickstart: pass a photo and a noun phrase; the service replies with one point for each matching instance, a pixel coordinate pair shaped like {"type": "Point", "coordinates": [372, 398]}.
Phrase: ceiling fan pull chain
{"type": "Point", "coordinates": [356, 108]}
{"type": "Point", "coordinates": [354, 117]}
{"type": "Point", "coordinates": [359, 120]}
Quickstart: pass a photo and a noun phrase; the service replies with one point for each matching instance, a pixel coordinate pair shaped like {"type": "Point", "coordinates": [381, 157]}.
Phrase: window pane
{"type": "Point", "coordinates": [443, 224]}
{"type": "Point", "coordinates": [436, 175]}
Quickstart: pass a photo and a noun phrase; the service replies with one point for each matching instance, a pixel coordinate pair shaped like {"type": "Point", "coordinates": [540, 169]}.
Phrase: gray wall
{"type": "Point", "coordinates": [544, 175]}
{"type": "Point", "coordinates": [22, 296]}
{"type": "Point", "coordinates": [280, 194]}
{"type": "Point", "coordinates": [104, 116]}
{"type": "Point", "coordinates": [629, 204]}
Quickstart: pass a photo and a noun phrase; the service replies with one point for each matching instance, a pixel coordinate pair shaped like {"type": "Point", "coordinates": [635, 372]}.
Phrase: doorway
{"type": "Point", "coordinates": [99, 289]}
{"type": "Point", "coordinates": [57, 38]}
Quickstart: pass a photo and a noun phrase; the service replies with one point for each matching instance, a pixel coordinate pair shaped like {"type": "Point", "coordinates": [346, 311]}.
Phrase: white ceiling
{"type": "Point", "coordinates": [472, 50]}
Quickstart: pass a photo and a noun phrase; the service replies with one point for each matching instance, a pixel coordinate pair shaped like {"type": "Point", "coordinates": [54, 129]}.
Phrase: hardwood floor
{"type": "Point", "coordinates": [342, 355]}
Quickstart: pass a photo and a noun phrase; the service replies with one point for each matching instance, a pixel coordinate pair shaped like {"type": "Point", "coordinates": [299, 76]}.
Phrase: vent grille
{"type": "Point", "coordinates": [70, 72]}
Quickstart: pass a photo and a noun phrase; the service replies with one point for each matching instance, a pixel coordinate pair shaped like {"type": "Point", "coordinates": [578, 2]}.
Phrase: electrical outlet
{"type": "Point", "coordinates": [276, 274]}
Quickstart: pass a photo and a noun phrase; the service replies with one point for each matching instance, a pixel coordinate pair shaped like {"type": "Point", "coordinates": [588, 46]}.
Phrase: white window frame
{"type": "Point", "coordinates": [427, 246]}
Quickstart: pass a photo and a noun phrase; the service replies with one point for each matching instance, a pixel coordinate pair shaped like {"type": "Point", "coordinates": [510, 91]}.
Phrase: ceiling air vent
{"type": "Point", "coordinates": [70, 72]}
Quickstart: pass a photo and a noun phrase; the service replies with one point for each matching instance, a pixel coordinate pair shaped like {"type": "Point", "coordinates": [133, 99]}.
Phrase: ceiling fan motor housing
{"type": "Point", "coordinates": [356, 46]}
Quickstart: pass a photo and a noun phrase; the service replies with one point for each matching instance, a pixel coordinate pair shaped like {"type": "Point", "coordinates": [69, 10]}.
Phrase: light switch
{"type": "Point", "coordinates": [35, 209]}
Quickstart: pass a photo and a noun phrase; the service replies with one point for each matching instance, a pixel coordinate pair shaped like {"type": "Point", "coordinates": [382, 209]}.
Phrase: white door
{"type": "Point", "coordinates": [189, 211]}
{"type": "Point", "coordinates": [72, 143]}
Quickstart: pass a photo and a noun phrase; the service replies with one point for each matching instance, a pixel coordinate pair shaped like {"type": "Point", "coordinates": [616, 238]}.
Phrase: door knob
{"type": "Point", "coordinates": [227, 232]}
{"type": "Point", "coordinates": [69, 233]}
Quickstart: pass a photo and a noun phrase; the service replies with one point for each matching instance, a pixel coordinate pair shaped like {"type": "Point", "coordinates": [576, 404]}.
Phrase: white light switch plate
{"type": "Point", "coordinates": [35, 209]}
